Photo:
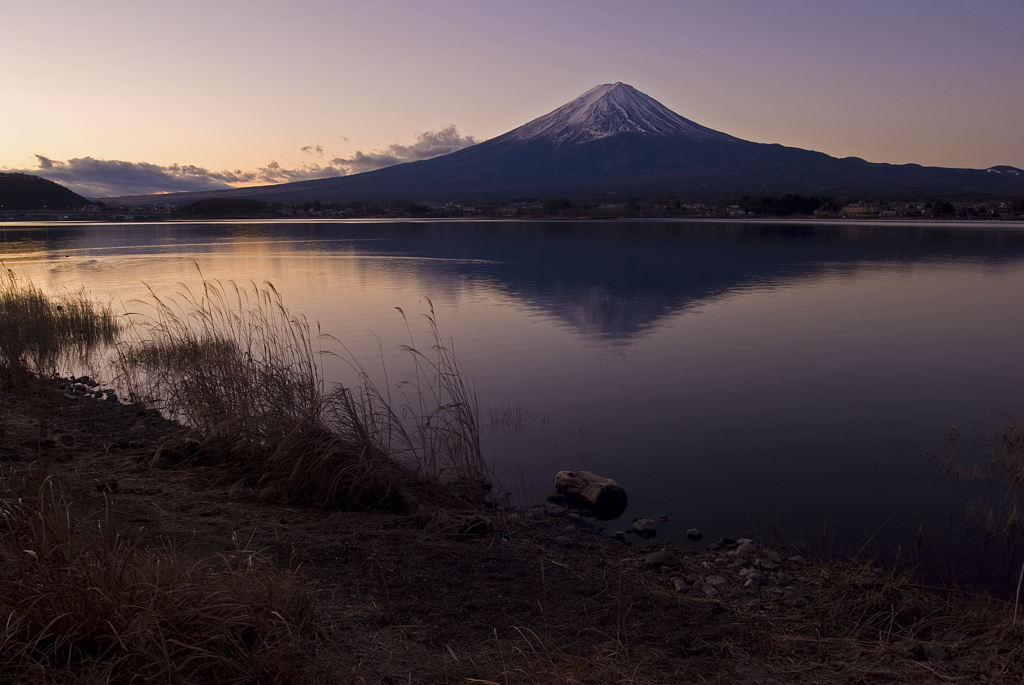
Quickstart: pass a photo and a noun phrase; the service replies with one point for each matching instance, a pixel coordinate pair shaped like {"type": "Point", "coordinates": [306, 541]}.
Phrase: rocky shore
{"type": "Point", "coordinates": [541, 595]}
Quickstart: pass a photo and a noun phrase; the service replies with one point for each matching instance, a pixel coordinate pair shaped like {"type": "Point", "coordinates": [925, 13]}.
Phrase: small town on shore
{"type": "Point", "coordinates": [765, 207]}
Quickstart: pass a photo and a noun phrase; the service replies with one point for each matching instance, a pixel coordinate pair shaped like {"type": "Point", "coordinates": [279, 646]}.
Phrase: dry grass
{"type": "Point", "coordinates": [43, 333]}
{"type": "Point", "coordinates": [530, 657]}
{"type": "Point", "coordinates": [859, 626]}
{"type": "Point", "coordinates": [81, 605]}
{"type": "Point", "coordinates": [998, 511]}
{"type": "Point", "coordinates": [234, 365]}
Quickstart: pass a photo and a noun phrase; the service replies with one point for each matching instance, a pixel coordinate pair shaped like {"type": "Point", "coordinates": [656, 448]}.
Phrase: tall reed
{"type": "Point", "coordinates": [44, 334]}
{"type": "Point", "coordinates": [236, 366]}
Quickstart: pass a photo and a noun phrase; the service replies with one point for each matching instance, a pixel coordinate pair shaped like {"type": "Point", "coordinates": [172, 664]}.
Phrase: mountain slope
{"type": "Point", "coordinates": [25, 191]}
{"type": "Point", "coordinates": [615, 140]}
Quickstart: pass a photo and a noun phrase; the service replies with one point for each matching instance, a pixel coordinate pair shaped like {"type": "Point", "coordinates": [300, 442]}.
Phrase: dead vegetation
{"type": "Point", "coordinates": [83, 603]}
{"type": "Point", "coordinates": [235, 366]}
{"type": "Point", "coordinates": [43, 334]}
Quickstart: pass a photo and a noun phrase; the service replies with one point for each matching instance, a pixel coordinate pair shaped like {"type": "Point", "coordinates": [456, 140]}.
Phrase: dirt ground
{"type": "Point", "coordinates": [506, 597]}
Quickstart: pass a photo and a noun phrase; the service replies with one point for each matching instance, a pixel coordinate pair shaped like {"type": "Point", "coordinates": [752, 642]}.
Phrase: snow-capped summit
{"type": "Point", "coordinates": [1007, 170]}
{"type": "Point", "coordinates": [607, 110]}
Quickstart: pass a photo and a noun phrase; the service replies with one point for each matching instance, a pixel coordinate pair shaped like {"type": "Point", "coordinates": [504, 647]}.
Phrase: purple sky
{"type": "Point", "coordinates": [112, 97]}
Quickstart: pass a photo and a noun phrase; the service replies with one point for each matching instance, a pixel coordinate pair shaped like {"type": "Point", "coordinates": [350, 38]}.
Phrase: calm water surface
{"type": "Point", "coordinates": [742, 378]}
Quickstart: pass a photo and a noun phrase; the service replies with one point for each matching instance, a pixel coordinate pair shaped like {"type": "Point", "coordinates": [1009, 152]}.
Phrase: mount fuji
{"type": "Point", "coordinates": [614, 141]}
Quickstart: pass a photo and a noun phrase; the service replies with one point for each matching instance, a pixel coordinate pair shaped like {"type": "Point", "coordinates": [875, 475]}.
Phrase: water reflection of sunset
{"type": "Point", "coordinates": [731, 371]}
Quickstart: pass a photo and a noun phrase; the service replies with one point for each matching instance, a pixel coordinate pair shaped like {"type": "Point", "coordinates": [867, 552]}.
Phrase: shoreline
{"type": "Point", "coordinates": [1009, 224]}
{"type": "Point", "coordinates": [435, 595]}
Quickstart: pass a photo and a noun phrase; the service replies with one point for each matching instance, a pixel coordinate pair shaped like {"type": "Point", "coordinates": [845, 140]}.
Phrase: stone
{"type": "Point", "coordinates": [664, 518]}
{"type": "Point", "coordinates": [797, 559]}
{"type": "Point", "coordinates": [662, 559]}
{"type": "Point", "coordinates": [555, 510]}
{"type": "Point", "coordinates": [585, 490]}
{"type": "Point", "coordinates": [645, 528]}
{"type": "Point", "coordinates": [563, 540]}
{"type": "Point", "coordinates": [727, 541]}
{"type": "Point", "coordinates": [680, 585]}
{"type": "Point", "coordinates": [570, 529]}
{"type": "Point", "coordinates": [619, 535]}
{"type": "Point", "coordinates": [692, 578]}
{"type": "Point", "coordinates": [709, 591]}
{"type": "Point", "coordinates": [716, 580]}
{"type": "Point", "coordinates": [695, 535]}
{"type": "Point", "coordinates": [746, 547]}
{"type": "Point", "coordinates": [558, 498]}
{"type": "Point", "coordinates": [771, 555]}
{"type": "Point", "coordinates": [537, 513]}
{"type": "Point", "coordinates": [764, 563]}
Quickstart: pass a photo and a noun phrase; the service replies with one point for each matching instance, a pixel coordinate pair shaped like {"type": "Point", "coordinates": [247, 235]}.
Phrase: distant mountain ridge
{"type": "Point", "coordinates": [614, 141]}
{"type": "Point", "coordinates": [27, 192]}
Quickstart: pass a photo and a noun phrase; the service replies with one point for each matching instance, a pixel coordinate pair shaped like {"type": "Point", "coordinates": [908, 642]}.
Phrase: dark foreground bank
{"type": "Point", "coordinates": [260, 591]}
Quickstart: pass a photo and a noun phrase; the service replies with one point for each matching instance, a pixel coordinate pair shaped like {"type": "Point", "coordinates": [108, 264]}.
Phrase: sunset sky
{"type": "Point", "coordinates": [132, 97]}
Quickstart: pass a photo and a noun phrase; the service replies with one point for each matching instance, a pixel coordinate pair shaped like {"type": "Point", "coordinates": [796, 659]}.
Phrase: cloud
{"type": "Point", "coordinates": [110, 178]}
{"type": "Point", "coordinates": [427, 145]}
{"type": "Point", "coordinates": [100, 178]}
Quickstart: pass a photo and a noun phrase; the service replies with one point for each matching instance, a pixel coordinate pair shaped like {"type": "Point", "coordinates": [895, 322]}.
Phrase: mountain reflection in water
{"type": "Point", "coordinates": [731, 376]}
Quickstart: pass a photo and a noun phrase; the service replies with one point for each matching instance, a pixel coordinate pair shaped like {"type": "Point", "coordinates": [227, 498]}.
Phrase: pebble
{"type": "Point", "coordinates": [709, 591]}
{"type": "Point", "coordinates": [536, 513]}
{"type": "Point", "coordinates": [681, 585]}
{"type": "Point", "coordinates": [664, 518]}
{"type": "Point", "coordinates": [662, 559]}
{"type": "Point", "coordinates": [716, 581]}
{"type": "Point", "coordinates": [746, 547]}
{"type": "Point", "coordinates": [694, 534]}
{"type": "Point", "coordinates": [563, 540]}
{"type": "Point", "coordinates": [619, 535]}
{"type": "Point", "coordinates": [798, 560]}
{"type": "Point", "coordinates": [645, 528]}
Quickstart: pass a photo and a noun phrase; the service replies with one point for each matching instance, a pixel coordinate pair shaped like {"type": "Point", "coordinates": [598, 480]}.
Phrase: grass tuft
{"type": "Point", "coordinates": [80, 605]}
{"type": "Point", "coordinates": [43, 333]}
{"type": "Point", "coordinates": [235, 366]}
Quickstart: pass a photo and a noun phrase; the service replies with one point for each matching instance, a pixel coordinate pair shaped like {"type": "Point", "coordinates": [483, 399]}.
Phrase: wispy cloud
{"type": "Point", "coordinates": [108, 177]}
{"type": "Point", "coordinates": [111, 178]}
{"type": "Point", "coordinates": [427, 145]}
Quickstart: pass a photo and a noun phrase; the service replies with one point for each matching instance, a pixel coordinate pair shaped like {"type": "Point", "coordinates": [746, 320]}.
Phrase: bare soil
{"type": "Point", "coordinates": [453, 596]}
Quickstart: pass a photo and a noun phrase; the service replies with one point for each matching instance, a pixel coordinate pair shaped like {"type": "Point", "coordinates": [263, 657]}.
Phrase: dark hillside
{"type": "Point", "coordinates": [24, 191]}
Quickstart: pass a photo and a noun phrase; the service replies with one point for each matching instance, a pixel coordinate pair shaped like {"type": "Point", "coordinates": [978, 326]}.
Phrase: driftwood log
{"type": "Point", "coordinates": [602, 496]}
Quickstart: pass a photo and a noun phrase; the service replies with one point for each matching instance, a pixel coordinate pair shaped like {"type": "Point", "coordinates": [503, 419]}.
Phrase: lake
{"type": "Point", "coordinates": [778, 380]}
